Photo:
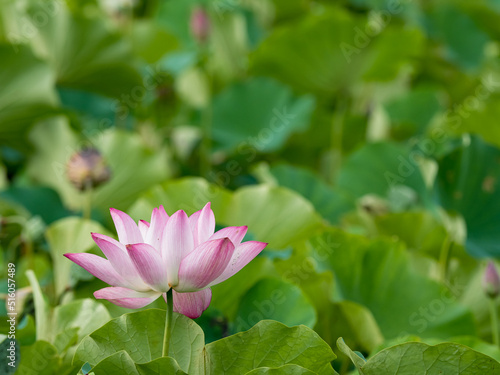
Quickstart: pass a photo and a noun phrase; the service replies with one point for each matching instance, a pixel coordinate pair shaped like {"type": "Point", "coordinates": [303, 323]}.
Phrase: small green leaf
{"type": "Point", "coordinates": [84, 315]}
{"type": "Point", "coordinates": [270, 115]}
{"type": "Point", "coordinates": [376, 168]}
{"type": "Point", "coordinates": [42, 309]}
{"type": "Point", "coordinates": [356, 359]}
{"type": "Point", "coordinates": [69, 235]}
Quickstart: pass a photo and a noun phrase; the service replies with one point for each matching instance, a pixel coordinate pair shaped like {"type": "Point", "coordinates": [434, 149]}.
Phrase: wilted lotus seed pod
{"type": "Point", "coordinates": [200, 24]}
{"type": "Point", "coordinates": [491, 280]}
{"type": "Point", "coordinates": [87, 169]}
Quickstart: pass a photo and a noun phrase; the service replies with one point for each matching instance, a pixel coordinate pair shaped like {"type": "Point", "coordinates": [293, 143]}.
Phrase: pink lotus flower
{"type": "Point", "coordinates": [178, 252]}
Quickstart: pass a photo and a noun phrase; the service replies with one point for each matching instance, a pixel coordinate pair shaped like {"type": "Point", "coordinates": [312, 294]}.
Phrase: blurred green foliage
{"type": "Point", "coordinates": [360, 138]}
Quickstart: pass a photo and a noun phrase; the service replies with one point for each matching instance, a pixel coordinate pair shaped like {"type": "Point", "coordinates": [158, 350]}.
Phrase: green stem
{"type": "Point", "coordinates": [168, 324]}
{"type": "Point", "coordinates": [443, 258]}
{"type": "Point", "coordinates": [206, 123]}
{"type": "Point", "coordinates": [336, 140]}
{"type": "Point", "coordinates": [494, 321]}
{"type": "Point", "coordinates": [87, 204]}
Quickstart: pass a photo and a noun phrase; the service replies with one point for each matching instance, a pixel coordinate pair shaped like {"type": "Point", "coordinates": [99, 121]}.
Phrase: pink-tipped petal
{"type": "Point", "coordinates": [177, 243]}
{"type": "Point", "coordinates": [125, 297]}
{"type": "Point", "coordinates": [143, 228]}
{"type": "Point", "coordinates": [235, 234]}
{"type": "Point", "coordinates": [149, 265]}
{"type": "Point", "coordinates": [204, 264]}
{"type": "Point", "coordinates": [119, 259]}
{"type": "Point", "coordinates": [159, 219]}
{"type": "Point", "coordinates": [126, 228]}
{"type": "Point", "coordinates": [193, 304]}
{"type": "Point", "coordinates": [97, 266]}
{"type": "Point", "coordinates": [202, 224]}
{"type": "Point", "coordinates": [243, 254]}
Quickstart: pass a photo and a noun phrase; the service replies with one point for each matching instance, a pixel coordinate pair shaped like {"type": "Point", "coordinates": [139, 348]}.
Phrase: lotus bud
{"type": "Point", "coordinates": [491, 281]}
{"type": "Point", "coordinates": [200, 24]}
{"type": "Point", "coordinates": [87, 169]}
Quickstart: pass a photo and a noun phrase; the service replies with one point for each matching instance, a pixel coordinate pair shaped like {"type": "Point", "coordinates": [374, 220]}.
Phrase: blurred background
{"type": "Point", "coordinates": [370, 126]}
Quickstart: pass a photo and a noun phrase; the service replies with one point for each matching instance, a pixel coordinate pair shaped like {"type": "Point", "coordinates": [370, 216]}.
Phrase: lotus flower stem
{"type": "Point", "coordinates": [494, 321]}
{"type": "Point", "coordinates": [87, 204]}
{"type": "Point", "coordinates": [168, 323]}
{"type": "Point", "coordinates": [443, 258]}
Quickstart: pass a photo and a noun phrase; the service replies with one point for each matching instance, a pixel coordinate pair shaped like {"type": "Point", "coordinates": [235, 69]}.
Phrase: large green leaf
{"type": "Point", "coordinates": [384, 62]}
{"type": "Point", "coordinates": [378, 167]}
{"type": "Point", "coordinates": [140, 334]}
{"type": "Point", "coordinates": [380, 275]}
{"type": "Point", "coordinates": [270, 344]}
{"type": "Point", "coordinates": [26, 93]}
{"type": "Point", "coordinates": [416, 358]}
{"type": "Point", "coordinates": [270, 114]}
{"type": "Point", "coordinates": [319, 65]}
{"type": "Point", "coordinates": [328, 201]}
{"type": "Point", "coordinates": [271, 298]}
{"type": "Point", "coordinates": [463, 39]}
{"type": "Point", "coordinates": [468, 182]}
{"type": "Point", "coordinates": [85, 52]}
{"type": "Point", "coordinates": [273, 214]}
